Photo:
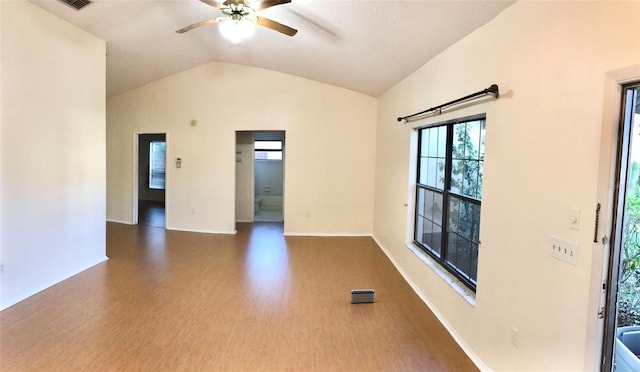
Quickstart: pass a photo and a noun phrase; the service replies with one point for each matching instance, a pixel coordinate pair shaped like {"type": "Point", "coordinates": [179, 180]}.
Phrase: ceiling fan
{"type": "Point", "coordinates": [239, 19]}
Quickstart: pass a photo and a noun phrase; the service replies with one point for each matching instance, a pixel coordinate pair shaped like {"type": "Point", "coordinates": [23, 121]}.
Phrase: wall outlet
{"type": "Point", "coordinates": [563, 250]}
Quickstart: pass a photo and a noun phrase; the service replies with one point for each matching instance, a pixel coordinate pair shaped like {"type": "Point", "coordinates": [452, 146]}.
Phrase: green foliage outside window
{"type": "Point", "coordinates": [629, 279]}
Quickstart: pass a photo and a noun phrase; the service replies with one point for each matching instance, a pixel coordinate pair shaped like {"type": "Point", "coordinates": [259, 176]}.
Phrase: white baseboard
{"type": "Point", "coordinates": [224, 232]}
{"type": "Point", "coordinates": [328, 234]}
{"type": "Point", "coordinates": [463, 345]}
{"type": "Point", "coordinates": [118, 221]}
{"type": "Point", "coordinates": [184, 229]}
{"type": "Point", "coordinates": [66, 276]}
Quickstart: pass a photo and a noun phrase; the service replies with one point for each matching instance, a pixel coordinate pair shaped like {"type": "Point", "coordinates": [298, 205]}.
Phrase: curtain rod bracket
{"type": "Point", "coordinates": [493, 89]}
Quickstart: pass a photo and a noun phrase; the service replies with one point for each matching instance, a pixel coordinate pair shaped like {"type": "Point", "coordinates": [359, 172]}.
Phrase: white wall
{"type": "Point", "coordinates": [551, 61]}
{"type": "Point", "coordinates": [330, 137]}
{"type": "Point", "coordinates": [52, 150]}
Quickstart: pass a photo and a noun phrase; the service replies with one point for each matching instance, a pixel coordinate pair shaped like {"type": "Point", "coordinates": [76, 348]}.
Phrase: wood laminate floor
{"type": "Point", "coordinates": [169, 301]}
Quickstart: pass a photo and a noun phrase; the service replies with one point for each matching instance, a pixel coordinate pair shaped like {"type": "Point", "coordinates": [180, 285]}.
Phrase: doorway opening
{"type": "Point", "coordinates": [621, 351]}
{"type": "Point", "coordinates": [151, 188]}
{"type": "Point", "coordinates": [260, 160]}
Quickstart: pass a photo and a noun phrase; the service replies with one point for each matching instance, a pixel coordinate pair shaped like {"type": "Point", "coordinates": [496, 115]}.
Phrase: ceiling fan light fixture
{"type": "Point", "coordinates": [237, 30]}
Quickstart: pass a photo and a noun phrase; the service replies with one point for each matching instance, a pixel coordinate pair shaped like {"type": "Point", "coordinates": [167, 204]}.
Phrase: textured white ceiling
{"type": "Point", "coordinates": [365, 46]}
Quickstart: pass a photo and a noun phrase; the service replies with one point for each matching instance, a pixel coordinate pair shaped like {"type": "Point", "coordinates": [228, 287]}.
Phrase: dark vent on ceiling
{"type": "Point", "coordinates": [77, 4]}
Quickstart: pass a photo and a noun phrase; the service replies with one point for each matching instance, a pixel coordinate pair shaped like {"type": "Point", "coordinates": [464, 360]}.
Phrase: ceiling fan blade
{"type": "Point", "coordinates": [268, 4]}
{"type": "Point", "coordinates": [199, 24]}
{"type": "Point", "coordinates": [276, 26]}
{"type": "Point", "coordinates": [234, 2]}
{"type": "Point", "coordinates": [214, 4]}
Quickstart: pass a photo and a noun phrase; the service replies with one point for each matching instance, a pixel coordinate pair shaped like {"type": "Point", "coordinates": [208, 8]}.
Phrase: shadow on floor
{"type": "Point", "coordinates": [151, 213]}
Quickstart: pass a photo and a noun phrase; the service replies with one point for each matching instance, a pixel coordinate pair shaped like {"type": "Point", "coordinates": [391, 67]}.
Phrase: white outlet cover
{"type": "Point", "coordinates": [563, 250]}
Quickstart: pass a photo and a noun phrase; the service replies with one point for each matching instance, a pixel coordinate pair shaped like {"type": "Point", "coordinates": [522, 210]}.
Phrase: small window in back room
{"type": "Point", "coordinates": [268, 150]}
{"type": "Point", "coordinates": [157, 165]}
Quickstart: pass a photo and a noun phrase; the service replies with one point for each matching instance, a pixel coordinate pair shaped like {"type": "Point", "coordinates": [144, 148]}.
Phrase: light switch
{"type": "Point", "coordinates": [574, 219]}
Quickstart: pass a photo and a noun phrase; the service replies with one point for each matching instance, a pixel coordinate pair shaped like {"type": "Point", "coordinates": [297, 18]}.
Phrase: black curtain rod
{"type": "Point", "coordinates": [493, 89]}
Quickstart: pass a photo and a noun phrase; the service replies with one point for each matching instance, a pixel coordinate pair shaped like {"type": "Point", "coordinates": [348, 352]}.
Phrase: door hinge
{"type": "Point", "coordinates": [601, 313]}
{"type": "Point", "coordinates": [605, 240]}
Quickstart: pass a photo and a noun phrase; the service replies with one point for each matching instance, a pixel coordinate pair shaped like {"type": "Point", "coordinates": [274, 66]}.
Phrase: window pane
{"type": "Point", "coordinates": [157, 165]}
{"type": "Point", "coordinates": [433, 142]}
{"type": "Point", "coordinates": [452, 249]}
{"type": "Point", "coordinates": [457, 170]}
{"type": "Point", "coordinates": [422, 178]}
{"type": "Point", "coordinates": [466, 220]}
{"type": "Point", "coordinates": [475, 227]}
{"type": "Point", "coordinates": [268, 145]}
{"type": "Point", "coordinates": [473, 265]}
{"type": "Point", "coordinates": [472, 145]}
{"type": "Point", "coordinates": [427, 233]}
{"type": "Point", "coordinates": [268, 155]}
{"type": "Point", "coordinates": [428, 204]}
{"type": "Point", "coordinates": [459, 135]}
{"type": "Point", "coordinates": [460, 255]}
{"type": "Point", "coordinates": [454, 211]}
{"type": "Point", "coordinates": [436, 239]}
{"type": "Point", "coordinates": [440, 174]}
{"type": "Point", "coordinates": [470, 178]}
{"type": "Point", "coordinates": [420, 202]}
{"type": "Point", "coordinates": [432, 172]}
{"type": "Point", "coordinates": [437, 208]}
{"type": "Point", "coordinates": [419, 229]}
{"type": "Point", "coordinates": [424, 142]}
{"type": "Point", "coordinates": [463, 256]}
{"type": "Point", "coordinates": [429, 208]}
{"type": "Point", "coordinates": [442, 141]}
{"type": "Point", "coordinates": [432, 239]}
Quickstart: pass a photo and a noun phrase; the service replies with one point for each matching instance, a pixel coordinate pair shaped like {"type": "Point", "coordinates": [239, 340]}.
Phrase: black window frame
{"type": "Point", "coordinates": [472, 203]}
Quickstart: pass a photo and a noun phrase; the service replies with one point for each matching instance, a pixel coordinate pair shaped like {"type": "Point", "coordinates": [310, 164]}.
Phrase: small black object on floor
{"type": "Point", "coordinates": [362, 296]}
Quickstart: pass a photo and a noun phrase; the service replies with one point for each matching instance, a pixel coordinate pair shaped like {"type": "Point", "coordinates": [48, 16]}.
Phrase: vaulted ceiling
{"type": "Point", "coordinates": [365, 46]}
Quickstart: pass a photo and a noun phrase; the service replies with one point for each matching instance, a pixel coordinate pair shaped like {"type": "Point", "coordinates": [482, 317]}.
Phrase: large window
{"type": "Point", "coordinates": [448, 195]}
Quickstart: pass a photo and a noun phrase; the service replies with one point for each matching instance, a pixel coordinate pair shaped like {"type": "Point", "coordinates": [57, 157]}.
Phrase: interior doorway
{"type": "Point", "coordinates": [260, 163]}
{"type": "Point", "coordinates": [151, 187]}
{"type": "Point", "coordinates": [621, 347]}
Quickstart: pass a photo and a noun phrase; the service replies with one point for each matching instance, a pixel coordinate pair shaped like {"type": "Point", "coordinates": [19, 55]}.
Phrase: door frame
{"type": "Point", "coordinates": [240, 157]}
{"type": "Point", "coordinates": [136, 166]}
{"type": "Point", "coordinates": [612, 262]}
{"type": "Point", "coordinates": [253, 133]}
{"type": "Point", "coordinates": [613, 81]}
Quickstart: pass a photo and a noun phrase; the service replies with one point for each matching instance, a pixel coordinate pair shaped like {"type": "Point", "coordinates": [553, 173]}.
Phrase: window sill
{"type": "Point", "coordinates": [467, 294]}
